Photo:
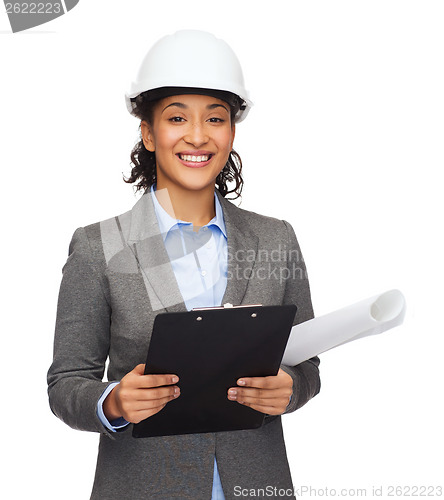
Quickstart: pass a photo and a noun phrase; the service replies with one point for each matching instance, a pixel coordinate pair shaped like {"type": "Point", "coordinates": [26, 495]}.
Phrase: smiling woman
{"type": "Point", "coordinates": [150, 106]}
{"type": "Point", "coordinates": [173, 252]}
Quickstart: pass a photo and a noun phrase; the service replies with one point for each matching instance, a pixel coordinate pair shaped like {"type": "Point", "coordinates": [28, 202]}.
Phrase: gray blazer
{"type": "Point", "coordinates": [117, 278]}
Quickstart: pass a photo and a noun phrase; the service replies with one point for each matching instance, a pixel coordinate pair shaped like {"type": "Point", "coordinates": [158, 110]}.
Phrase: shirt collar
{"type": "Point", "coordinates": [166, 222]}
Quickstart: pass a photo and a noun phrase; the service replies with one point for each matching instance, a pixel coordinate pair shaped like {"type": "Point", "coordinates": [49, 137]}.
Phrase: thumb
{"type": "Point", "coordinates": [139, 370]}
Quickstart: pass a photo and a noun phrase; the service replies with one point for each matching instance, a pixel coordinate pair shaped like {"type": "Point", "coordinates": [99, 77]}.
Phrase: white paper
{"type": "Point", "coordinates": [371, 316]}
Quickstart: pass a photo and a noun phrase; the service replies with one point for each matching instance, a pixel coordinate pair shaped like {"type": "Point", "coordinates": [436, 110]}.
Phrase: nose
{"type": "Point", "coordinates": [196, 134]}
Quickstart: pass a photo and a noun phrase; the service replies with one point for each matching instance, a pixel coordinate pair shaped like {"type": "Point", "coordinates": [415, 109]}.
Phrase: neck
{"type": "Point", "coordinates": [190, 206]}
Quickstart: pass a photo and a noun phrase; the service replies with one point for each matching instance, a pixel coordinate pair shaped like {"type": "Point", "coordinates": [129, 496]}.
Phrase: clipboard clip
{"type": "Point", "coordinates": [227, 305]}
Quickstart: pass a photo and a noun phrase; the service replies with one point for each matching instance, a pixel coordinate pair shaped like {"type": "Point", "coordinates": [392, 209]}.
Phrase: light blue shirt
{"type": "Point", "coordinates": [199, 261]}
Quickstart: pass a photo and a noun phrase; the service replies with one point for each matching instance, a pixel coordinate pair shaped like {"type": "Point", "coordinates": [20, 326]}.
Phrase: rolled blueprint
{"type": "Point", "coordinates": [368, 317]}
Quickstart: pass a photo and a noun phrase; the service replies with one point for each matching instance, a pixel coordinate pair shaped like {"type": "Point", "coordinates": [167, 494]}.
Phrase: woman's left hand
{"type": "Point", "coordinates": [269, 395]}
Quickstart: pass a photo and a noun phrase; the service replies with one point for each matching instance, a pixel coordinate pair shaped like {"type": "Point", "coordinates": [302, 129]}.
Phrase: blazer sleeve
{"type": "Point", "coordinates": [306, 380]}
{"type": "Point", "coordinates": [81, 341]}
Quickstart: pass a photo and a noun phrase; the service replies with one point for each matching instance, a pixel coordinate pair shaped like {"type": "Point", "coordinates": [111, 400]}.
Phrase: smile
{"type": "Point", "coordinates": [199, 160]}
{"type": "Point", "coordinates": [196, 159]}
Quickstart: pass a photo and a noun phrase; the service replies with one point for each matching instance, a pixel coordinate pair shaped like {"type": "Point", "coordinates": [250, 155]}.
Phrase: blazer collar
{"type": "Point", "coordinates": [145, 238]}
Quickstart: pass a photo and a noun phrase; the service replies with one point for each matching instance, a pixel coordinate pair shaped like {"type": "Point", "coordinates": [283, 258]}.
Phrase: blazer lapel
{"type": "Point", "coordinates": [147, 244]}
{"type": "Point", "coordinates": [242, 245]}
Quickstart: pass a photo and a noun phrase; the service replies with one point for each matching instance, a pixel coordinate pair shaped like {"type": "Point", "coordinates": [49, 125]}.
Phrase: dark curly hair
{"type": "Point", "coordinates": [143, 171]}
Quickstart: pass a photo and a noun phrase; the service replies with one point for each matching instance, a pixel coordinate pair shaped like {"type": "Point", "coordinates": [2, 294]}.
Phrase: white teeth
{"type": "Point", "coordinates": [196, 159]}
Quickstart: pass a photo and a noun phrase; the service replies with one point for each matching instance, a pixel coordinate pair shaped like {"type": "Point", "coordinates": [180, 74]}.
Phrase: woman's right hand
{"type": "Point", "coordinates": [140, 396]}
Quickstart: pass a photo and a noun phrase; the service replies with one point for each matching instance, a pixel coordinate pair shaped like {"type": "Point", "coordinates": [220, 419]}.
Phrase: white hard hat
{"type": "Point", "coordinates": [191, 59]}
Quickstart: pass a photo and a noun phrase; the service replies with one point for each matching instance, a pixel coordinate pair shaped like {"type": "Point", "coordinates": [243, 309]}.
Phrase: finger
{"type": "Point", "coordinates": [272, 382]}
{"type": "Point", "coordinates": [281, 401]}
{"type": "Point", "coordinates": [148, 381]}
{"type": "Point", "coordinates": [252, 392]}
{"type": "Point", "coordinates": [152, 404]}
{"type": "Point", "coordinates": [156, 393]}
{"type": "Point", "coordinates": [282, 379]}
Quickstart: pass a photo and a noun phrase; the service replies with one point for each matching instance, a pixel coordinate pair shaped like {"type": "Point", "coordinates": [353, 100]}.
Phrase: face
{"type": "Point", "coordinates": [192, 137]}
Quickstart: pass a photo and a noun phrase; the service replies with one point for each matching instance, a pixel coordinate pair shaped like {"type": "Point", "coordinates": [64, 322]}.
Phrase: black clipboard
{"type": "Point", "coordinates": [209, 349]}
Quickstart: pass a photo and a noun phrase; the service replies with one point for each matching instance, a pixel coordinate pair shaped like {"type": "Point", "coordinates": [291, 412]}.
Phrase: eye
{"type": "Point", "coordinates": [216, 120]}
{"type": "Point", "coordinates": [176, 119]}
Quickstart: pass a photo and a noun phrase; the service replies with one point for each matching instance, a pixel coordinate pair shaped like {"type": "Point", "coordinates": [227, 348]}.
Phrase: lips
{"type": "Point", "coordinates": [195, 159]}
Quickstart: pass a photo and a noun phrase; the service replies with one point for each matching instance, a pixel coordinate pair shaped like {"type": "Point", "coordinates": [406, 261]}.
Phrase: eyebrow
{"type": "Point", "coordinates": [184, 106]}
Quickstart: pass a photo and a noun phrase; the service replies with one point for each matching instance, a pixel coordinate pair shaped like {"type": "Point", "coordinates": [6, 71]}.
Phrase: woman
{"type": "Point", "coordinates": [183, 245]}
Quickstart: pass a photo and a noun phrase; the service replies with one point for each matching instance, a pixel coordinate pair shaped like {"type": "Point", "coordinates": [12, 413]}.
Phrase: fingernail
{"type": "Point", "coordinates": [241, 382]}
{"type": "Point", "coordinates": [176, 390]}
{"type": "Point", "coordinates": [232, 392]}
{"type": "Point", "coordinates": [174, 380]}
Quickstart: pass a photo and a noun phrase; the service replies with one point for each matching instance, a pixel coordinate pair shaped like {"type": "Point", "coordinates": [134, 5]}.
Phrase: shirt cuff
{"type": "Point", "coordinates": [114, 425]}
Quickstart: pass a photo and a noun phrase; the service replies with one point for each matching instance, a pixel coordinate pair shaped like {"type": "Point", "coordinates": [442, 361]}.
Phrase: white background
{"type": "Point", "coordinates": [345, 141]}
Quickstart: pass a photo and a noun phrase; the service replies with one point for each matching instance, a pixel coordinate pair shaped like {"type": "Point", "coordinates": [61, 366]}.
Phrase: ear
{"type": "Point", "coordinates": [147, 136]}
